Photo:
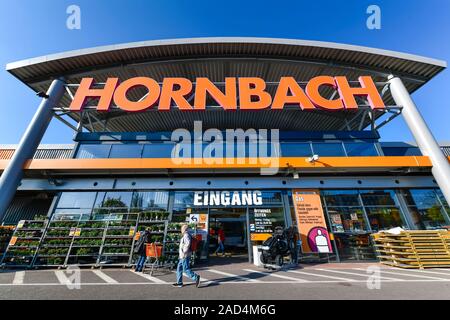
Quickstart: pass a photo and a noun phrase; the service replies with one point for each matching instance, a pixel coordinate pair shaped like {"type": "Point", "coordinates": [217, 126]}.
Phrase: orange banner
{"type": "Point", "coordinates": [311, 222]}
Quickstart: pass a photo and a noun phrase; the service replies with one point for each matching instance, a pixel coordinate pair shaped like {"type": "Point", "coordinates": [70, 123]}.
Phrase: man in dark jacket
{"type": "Point", "coordinates": [139, 249]}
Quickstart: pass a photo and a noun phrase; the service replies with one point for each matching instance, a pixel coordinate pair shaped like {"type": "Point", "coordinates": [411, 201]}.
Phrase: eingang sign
{"type": "Point", "coordinates": [244, 93]}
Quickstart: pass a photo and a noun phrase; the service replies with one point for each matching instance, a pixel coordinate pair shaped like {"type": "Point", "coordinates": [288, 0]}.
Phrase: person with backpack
{"type": "Point", "coordinates": [139, 249]}
{"type": "Point", "coordinates": [184, 255]}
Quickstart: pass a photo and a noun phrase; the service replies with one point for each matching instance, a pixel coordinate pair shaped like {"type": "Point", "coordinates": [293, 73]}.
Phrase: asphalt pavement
{"type": "Point", "coordinates": [238, 282]}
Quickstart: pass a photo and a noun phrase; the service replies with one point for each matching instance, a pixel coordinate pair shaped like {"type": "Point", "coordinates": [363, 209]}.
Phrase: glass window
{"type": "Point", "coordinates": [378, 197]}
{"type": "Point", "coordinates": [347, 219]}
{"type": "Point", "coordinates": [113, 202]}
{"type": "Point", "coordinates": [79, 200]}
{"type": "Point", "coordinates": [126, 151]}
{"type": "Point", "coordinates": [401, 151]}
{"type": "Point", "coordinates": [356, 247]}
{"type": "Point", "coordinates": [293, 149]}
{"type": "Point", "coordinates": [271, 197]}
{"type": "Point", "coordinates": [73, 204]}
{"type": "Point", "coordinates": [184, 199]}
{"type": "Point", "coordinates": [158, 150]}
{"type": "Point", "coordinates": [329, 149]}
{"type": "Point", "coordinates": [150, 200]}
{"type": "Point", "coordinates": [91, 151]}
{"type": "Point", "coordinates": [426, 210]}
{"type": "Point", "coordinates": [383, 218]}
{"type": "Point", "coordinates": [443, 201]}
{"type": "Point", "coordinates": [429, 218]}
{"type": "Point", "coordinates": [360, 149]}
{"type": "Point", "coordinates": [341, 197]}
{"type": "Point", "coordinates": [266, 219]}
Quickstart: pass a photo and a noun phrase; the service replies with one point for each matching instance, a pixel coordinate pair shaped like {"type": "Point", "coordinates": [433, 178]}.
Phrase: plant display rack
{"type": "Point", "coordinates": [102, 239]}
{"type": "Point", "coordinates": [414, 249]}
{"type": "Point", "coordinates": [118, 241]}
{"type": "Point", "coordinates": [24, 243]}
{"type": "Point", "coordinates": [6, 233]}
{"type": "Point", "coordinates": [157, 221]}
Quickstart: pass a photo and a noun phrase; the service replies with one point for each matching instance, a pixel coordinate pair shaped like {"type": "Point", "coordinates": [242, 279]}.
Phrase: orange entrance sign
{"type": "Point", "coordinates": [311, 222]}
{"type": "Point", "coordinates": [247, 93]}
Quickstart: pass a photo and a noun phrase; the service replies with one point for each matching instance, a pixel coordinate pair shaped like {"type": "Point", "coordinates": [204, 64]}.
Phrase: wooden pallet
{"type": "Point", "coordinates": [414, 249]}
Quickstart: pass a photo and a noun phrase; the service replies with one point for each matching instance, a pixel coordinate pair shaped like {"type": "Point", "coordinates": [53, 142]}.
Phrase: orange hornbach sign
{"type": "Point", "coordinates": [238, 93]}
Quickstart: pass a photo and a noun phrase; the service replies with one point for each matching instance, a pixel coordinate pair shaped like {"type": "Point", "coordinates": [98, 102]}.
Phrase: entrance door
{"type": "Point", "coordinates": [232, 223]}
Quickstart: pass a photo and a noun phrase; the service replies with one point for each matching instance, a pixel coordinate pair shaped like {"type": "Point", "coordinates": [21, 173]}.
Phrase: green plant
{"type": "Point", "coordinates": [58, 233]}
{"type": "Point", "coordinates": [118, 232]}
{"type": "Point", "coordinates": [28, 234]}
{"type": "Point", "coordinates": [26, 243]}
{"type": "Point", "coordinates": [40, 217]}
{"type": "Point", "coordinates": [63, 224]}
{"type": "Point", "coordinates": [91, 233]}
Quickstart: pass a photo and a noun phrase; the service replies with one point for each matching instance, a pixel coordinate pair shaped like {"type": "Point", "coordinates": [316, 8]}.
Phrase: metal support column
{"type": "Point", "coordinates": [11, 177]}
{"type": "Point", "coordinates": [422, 134]}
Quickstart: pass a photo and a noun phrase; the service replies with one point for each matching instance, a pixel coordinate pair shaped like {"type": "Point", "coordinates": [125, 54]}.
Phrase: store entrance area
{"type": "Point", "coordinates": [229, 227]}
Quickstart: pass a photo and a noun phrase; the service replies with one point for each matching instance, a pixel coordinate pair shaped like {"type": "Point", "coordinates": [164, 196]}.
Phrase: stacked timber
{"type": "Point", "coordinates": [414, 249]}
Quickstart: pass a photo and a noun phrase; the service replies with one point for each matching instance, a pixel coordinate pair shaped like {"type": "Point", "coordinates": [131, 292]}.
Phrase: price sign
{"type": "Point", "coordinates": [137, 236]}
{"type": "Point", "coordinates": [75, 232]}
{"type": "Point", "coordinates": [13, 241]}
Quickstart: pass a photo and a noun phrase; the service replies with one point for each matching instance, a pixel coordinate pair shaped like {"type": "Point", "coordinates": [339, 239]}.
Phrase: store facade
{"type": "Point", "coordinates": [305, 118]}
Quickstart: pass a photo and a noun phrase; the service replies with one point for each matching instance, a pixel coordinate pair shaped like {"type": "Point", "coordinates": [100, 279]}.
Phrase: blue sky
{"type": "Point", "coordinates": [30, 28]}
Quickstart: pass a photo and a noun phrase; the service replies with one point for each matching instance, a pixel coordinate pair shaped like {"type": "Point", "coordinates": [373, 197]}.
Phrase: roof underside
{"type": "Point", "coordinates": [217, 58]}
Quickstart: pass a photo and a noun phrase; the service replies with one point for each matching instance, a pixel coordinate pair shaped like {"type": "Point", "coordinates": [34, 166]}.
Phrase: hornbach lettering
{"type": "Point", "coordinates": [238, 93]}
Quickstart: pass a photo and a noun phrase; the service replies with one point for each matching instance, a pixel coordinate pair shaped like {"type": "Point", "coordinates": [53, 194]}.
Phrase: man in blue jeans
{"type": "Point", "coordinates": [184, 256]}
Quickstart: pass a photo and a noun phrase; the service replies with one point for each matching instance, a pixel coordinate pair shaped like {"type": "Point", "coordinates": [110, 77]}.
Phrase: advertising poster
{"type": "Point", "coordinates": [311, 222]}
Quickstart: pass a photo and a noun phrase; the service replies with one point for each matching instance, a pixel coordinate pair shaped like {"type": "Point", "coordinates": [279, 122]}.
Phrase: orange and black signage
{"type": "Point", "coordinates": [311, 222]}
{"type": "Point", "coordinates": [245, 93]}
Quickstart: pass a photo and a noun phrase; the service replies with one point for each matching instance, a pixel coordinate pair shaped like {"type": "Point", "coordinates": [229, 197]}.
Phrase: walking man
{"type": "Point", "coordinates": [184, 257]}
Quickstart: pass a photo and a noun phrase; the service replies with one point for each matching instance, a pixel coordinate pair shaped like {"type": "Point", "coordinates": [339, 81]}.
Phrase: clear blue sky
{"type": "Point", "coordinates": [33, 28]}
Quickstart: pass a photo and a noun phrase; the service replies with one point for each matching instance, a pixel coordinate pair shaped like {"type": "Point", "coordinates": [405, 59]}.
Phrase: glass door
{"type": "Point", "coordinates": [229, 227]}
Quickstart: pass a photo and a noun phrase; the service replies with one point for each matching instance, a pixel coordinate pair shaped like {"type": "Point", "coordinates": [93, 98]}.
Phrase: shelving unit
{"type": "Point", "coordinates": [118, 241]}
{"type": "Point", "coordinates": [172, 243]}
{"type": "Point", "coordinates": [157, 221]}
{"type": "Point", "coordinates": [62, 238]}
{"type": "Point", "coordinates": [105, 238]}
{"type": "Point", "coordinates": [24, 243]}
{"type": "Point", "coordinates": [6, 233]}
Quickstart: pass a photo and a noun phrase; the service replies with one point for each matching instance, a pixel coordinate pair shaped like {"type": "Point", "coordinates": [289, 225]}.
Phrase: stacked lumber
{"type": "Point", "coordinates": [414, 249]}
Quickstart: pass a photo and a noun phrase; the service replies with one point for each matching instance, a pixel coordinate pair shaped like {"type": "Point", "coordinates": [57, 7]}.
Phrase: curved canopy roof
{"type": "Point", "coordinates": [218, 58]}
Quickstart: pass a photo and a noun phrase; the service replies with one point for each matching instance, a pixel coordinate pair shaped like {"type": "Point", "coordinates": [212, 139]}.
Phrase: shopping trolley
{"type": "Point", "coordinates": [153, 251]}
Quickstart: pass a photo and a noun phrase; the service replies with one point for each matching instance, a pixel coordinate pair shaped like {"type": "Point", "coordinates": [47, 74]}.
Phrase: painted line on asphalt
{"type": "Point", "coordinates": [149, 277]}
{"type": "Point", "coordinates": [203, 280]}
{"type": "Point", "coordinates": [441, 269]}
{"type": "Point", "coordinates": [104, 276]}
{"type": "Point", "coordinates": [406, 274]}
{"type": "Point", "coordinates": [321, 276]}
{"type": "Point", "coordinates": [226, 282]}
{"type": "Point", "coordinates": [19, 276]}
{"type": "Point", "coordinates": [424, 271]}
{"type": "Point", "coordinates": [277, 275]}
{"type": "Point", "coordinates": [62, 278]}
{"type": "Point", "coordinates": [231, 275]}
{"type": "Point", "coordinates": [360, 275]}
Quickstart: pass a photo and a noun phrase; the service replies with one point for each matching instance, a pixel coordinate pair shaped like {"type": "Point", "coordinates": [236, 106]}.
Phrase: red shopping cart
{"type": "Point", "coordinates": [153, 252]}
